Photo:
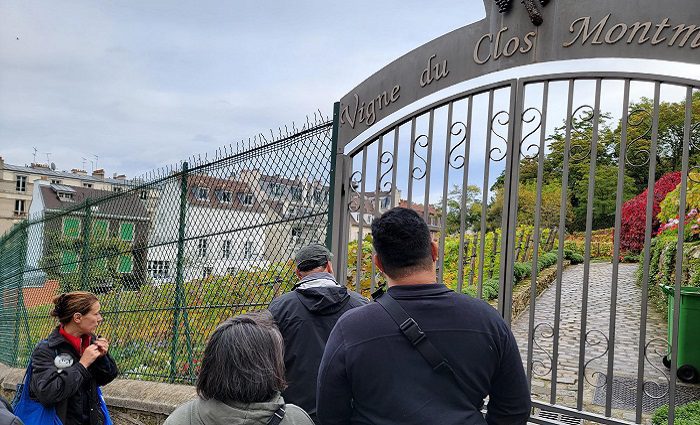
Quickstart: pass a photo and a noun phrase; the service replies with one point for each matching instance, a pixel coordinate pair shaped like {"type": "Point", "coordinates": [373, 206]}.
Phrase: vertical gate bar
{"type": "Point", "coordinates": [445, 184]}
{"type": "Point", "coordinates": [463, 200]}
{"type": "Point", "coordinates": [505, 299]}
{"type": "Point", "coordinates": [562, 235]}
{"type": "Point", "coordinates": [333, 194]}
{"type": "Point", "coordinates": [428, 167]}
{"type": "Point", "coordinates": [360, 221]}
{"type": "Point", "coordinates": [484, 201]}
{"type": "Point", "coordinates": [380, 147]}
{"type": "Point", "coordinates": [345, 168]}
{"type": "Point", "coordinates": [616, 251]}
{"type": "Point", "coordinates": [396, 165]}
{"type": "Point", "coordinates": [179, 270]}
{"type": "Point", "coordinates": [536, 247]}
{"type": "Point", "coordinates": [587, 248]}
{"type": "Point", "coordinates": [679, 256]}
{"type": "Point", "coordinates": [409, 195]}
{"type": "Point", "coordinates": [647, 250]}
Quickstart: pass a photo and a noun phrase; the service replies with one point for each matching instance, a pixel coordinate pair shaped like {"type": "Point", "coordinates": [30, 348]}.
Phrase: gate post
{"type": "Point", "coordinates": [510, 203]}
{"type": "Point", "coordinates": [337, 231]}
{"type": "Point", "coordinates": [332, 196]}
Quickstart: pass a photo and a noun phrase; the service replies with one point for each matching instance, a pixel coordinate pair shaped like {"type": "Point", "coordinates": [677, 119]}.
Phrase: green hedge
{"type": "Point", "coordinates": [687, 414]}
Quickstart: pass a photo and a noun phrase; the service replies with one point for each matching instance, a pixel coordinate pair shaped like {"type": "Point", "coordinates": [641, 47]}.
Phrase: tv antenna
{"type": "Point", "coordinates": [96, 158]}
{"type": "Point", "coordinates": [48, 157]}
{"type": "Point", "coordinates": [35, 151]}
{"type": "Point", "coordinates": [84, 160]}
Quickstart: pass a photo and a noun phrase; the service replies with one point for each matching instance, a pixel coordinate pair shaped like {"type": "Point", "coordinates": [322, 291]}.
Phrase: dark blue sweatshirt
{"type": "Point", "coordinates": [370, 374]}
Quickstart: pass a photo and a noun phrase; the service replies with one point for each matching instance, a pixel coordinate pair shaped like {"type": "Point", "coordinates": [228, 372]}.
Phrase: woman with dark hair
{"type": "Point", "coordinates": [69, 365]}
{"type": "Point", "coordinates": [241, 378]}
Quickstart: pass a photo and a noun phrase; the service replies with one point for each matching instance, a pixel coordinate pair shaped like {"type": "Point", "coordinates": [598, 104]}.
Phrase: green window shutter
{"type": "Point", "coordinates": [100, 264]}
{"type": "Point", "coordinates": [69, 262]}
{"type": "Point", "coordinates": [100, 229]}
{"type": "Point", "coordinates": [126, 264]}
{"type": "Point", "coordinates": [126, 231]}
{"type": "Point", "coordinates": [71, 227]}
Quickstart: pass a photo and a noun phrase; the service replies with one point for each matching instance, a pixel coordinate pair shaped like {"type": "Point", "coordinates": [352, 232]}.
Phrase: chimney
{"type": "Point", "coordinates": [39, 165]}
{"type": "Point", "coordinates": [119, 176]}
{"type": "Point", "coordinates": [2, 162]}
{"type": "Point", "coordinates": [78, 172]}
{"type": "Point", "coordinates": [99, 173]}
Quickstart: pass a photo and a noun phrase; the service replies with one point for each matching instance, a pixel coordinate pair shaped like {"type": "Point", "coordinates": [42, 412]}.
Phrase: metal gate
{"type": "Point", "coordinates": [535, 190]}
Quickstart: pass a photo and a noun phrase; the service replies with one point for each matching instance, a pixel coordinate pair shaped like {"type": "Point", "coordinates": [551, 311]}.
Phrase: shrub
{"type": "Point", "coordinates": [669, 206]}
{"type": "Point", "coordinates": [687, 414]}
{"type": "Point", "coordinates": [489, 289]}
{"type": "Point", "coordinates": [573, 256]}
{"type": "Point", "coordinates": [633, 223]}
{"type": "Point", "coordinates": [545, 260]}
{"type": "Point", "coordinates": [521, 271]}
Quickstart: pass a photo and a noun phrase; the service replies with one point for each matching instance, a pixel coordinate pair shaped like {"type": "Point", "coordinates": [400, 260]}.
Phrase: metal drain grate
{"type": "Point", "coordinates": [560, 418]}
{"type": "Point", "coordinates": [624, 394]}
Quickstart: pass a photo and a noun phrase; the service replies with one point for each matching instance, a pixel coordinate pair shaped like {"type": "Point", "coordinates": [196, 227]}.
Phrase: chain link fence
{"type": "Point", "coordinates": [171, 255]}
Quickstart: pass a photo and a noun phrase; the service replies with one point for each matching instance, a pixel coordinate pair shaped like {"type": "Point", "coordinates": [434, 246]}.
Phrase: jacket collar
{"type": "Point", "coordinates": [418, 291]}
{"type": "Point", "coordinates": [55, 339]}
{"type": "Point", "coordinates": [319, 279]}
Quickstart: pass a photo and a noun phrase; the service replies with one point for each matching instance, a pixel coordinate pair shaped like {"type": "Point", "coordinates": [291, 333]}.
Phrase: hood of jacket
{"type": "Point", "coordinates": [320, 293]}
{"type": "Point", "coordinates": [213, 412]}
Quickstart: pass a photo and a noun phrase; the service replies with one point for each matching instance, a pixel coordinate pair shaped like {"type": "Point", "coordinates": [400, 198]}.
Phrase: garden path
{"type": "Point", "coordinates": [629, 297]}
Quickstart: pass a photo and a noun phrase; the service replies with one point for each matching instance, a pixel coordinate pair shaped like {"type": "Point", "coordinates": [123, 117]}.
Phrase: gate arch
{"type": "Point", "coordinates": [593, 356]}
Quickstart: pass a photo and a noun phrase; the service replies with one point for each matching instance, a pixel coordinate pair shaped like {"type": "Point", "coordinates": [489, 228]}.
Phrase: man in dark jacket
{"type": "Point", "coordinates": [305, 317]}
{"type": "Point", "coordinates": [372, 374]}
{"type": "Point", "coordinates": [59, 379]}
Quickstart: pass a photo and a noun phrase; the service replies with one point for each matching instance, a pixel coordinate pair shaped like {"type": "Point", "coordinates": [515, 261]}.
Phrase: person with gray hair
{"type": "Point", "coordinates": [306, 317]}
{"type": "Point", "coordinates": [241, 378]}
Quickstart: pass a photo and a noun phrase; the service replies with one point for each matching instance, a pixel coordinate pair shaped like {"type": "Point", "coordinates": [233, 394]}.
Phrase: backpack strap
{"type": "Point", "coordinates": [277, 417]}
{"type": "Point", "coordinates": [418, 339]}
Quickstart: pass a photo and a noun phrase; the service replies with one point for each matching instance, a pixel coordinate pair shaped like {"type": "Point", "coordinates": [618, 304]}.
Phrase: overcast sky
{"type": "Point", "coordinates": [146, 83]}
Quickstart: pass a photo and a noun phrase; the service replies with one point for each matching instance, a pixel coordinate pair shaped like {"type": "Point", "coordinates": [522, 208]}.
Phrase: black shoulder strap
{"type": "Point", "coordinates": [276, 419]}
{"type": "Point", "coordinates": [418, 338]}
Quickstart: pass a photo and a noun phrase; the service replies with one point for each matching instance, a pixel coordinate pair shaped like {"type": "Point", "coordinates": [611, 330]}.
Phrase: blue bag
{"type": "Point", "coordinates": [31, 412]}
{"type": "Point", "coordinates": [103, 406]}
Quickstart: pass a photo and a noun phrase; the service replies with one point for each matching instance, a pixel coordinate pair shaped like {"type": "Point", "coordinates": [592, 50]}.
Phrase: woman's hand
{"type": "Point", "coordinates": [91, 353]}
{"type": "Point", "coordinates": [102, 345]}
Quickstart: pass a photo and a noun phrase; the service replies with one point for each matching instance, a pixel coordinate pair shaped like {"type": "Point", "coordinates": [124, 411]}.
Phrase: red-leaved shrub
{"type": "Point", "coordinates": [634, 213]}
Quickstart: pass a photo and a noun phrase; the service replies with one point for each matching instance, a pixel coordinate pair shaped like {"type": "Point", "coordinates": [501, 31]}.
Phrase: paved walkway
{"type": "Point", "coordinates": [598, 321]}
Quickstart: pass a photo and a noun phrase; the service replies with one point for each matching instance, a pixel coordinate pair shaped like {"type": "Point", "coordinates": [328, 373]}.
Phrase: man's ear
{"type": "Point", "coordinates": [296, 272]}
{"type": "Point", "coordinates": [378, 262]}
{"type": "Point", "coordinates": [329, 267]}
{"type": "Point", "coordinates": [434, 250]}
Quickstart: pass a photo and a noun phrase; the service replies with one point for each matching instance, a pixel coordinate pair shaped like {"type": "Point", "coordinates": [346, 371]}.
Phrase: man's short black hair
{"type": "Point", "coordinates": [402, 241]}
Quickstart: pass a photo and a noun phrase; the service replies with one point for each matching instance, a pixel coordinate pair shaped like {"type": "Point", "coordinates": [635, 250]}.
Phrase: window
{"type": "Point", "coordinates": [206, 272]}
{"type": "Point", "coordinates": [117, 189]}
{"type": "Point", "coordinates": [385, 202]}
{"type": "Point", "coordinates": [55, 181]}
{"type": "Point", "coordinates": [71, 227]}
{"type": "Point", "coordinates": [19, 207]}
{"type": "Point", "coordinates": [202, 247]}
{"type": "Point", "coordinates": [21, 183]}
{"type": "Point", "coordinates": [226, 249]}
{"type": "Point", "coordinates": [100, 229]}
{"type": "Point", "coordinates": [248, 250]}
{"type": "Point", "coordinates": [276, 189]}
{"type": "Point", "coordinates": [126, 263]}
{"type": "Point", "coordinates": [296, 235]}
{"type": "Point", "coordinates": [159, 269]}
{"type": "Point", "coordinates": [231, 270]}
{"type": "Point", "coordinates": [201, 193]}
{"type": "Point", "coordinates": [245, 199]}
{"type": "Point", "coordinates": [69, 262]}
{"type": "Point", "coordinates": [318, 196]}
{"type": "Point", "coordinates": [126, 231]}
{"type": "Point", "coordinates": [65, 196]}
{"type": "Point", "coordinates": [88, 185]}
{"type": "Point", "coordinates": [223, 196]}
{"type": "Point", "coordinates": [296, 193]}
{"type": "Point", "coordinates": [143, 195]}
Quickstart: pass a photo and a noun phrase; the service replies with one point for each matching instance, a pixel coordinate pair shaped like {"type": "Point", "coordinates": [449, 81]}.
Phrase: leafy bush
{"type": "Point", "coordinates": [669, 206]}
{"type": "Point", "coordinates": [521, 271]}
{"type": "Point", "coordinates": [633, 223]}
{"type": "Point", "coordinates": [687, 414]}
{"type": "Point", "coordinates": [545, 260]}
{"type": "Point", "coordinates": [573, 256]}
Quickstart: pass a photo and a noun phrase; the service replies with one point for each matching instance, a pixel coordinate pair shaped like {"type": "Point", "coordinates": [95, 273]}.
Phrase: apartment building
{"type": "Point", "coordinates": [17, 185]}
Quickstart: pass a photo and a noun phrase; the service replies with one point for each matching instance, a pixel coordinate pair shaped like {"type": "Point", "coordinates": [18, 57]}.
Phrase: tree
{"type": "Point", "coordinates": [604, 197]}
{"type": "Point", "coordinates": [472, 204]}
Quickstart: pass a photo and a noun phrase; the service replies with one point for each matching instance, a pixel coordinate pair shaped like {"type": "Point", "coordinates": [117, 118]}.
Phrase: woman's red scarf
{"type": "Point", "coordinates": [79, 343]}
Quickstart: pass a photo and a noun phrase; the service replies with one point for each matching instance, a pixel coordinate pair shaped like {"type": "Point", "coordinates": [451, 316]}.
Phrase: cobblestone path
{"type": "Point", "coordinates": [598, 322]}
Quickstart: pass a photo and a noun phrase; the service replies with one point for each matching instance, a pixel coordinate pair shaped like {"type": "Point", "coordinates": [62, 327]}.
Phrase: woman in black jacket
{"type": "Point", "coordinates": [69, 365]}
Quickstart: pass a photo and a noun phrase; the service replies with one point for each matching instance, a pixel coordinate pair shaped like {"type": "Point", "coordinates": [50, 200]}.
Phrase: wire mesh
{"type": "Point", "coordinates": [171, 255]}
